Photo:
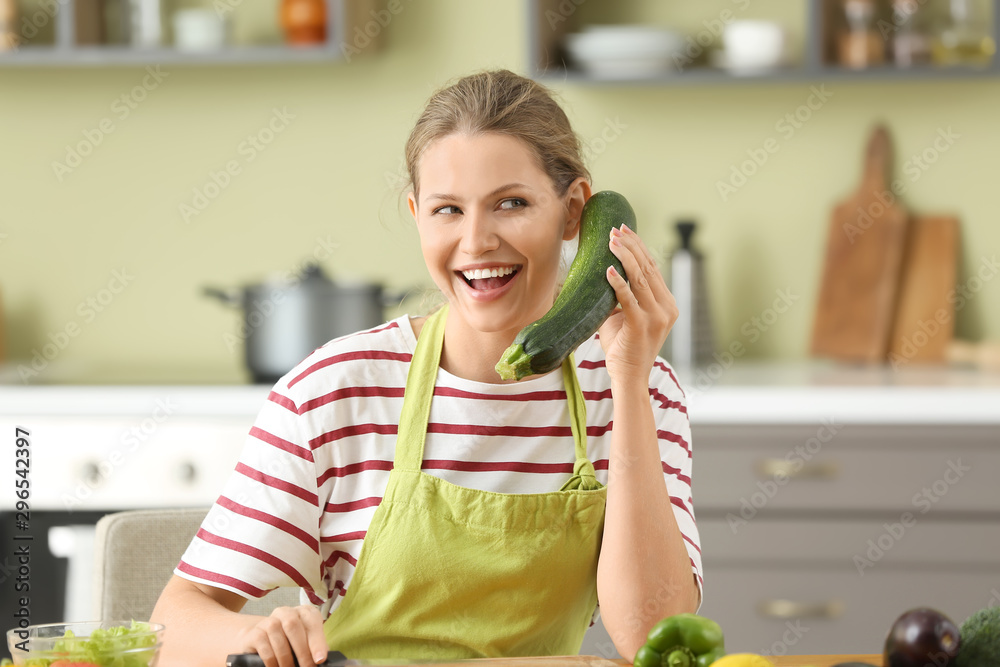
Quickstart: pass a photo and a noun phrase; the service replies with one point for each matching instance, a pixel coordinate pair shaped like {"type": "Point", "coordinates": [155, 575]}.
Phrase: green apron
{"type": "Point", "coordinates": [449, 572]}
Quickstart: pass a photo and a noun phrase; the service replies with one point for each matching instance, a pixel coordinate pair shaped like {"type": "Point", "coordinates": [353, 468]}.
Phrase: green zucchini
{"type": "Point", "coordinates": [585, 301]}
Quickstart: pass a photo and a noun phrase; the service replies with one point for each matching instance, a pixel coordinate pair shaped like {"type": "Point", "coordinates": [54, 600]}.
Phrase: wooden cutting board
{"type": "Point", "coordinates": [924, 323]}
{"type": "Point", "coordinates": [864, 252]}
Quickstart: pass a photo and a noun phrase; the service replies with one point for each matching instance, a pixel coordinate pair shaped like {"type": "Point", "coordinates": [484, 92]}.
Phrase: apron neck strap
{"type": "Point", "coordinates": [577, 408]}
{"type": "Point", "coordinates": [419, 392]}
{"type": "Point", "coordinates": [420, 380]}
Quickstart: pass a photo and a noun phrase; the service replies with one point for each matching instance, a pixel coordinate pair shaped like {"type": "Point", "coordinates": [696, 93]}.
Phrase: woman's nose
{"type": "Point", "coordinates": [478, 234]}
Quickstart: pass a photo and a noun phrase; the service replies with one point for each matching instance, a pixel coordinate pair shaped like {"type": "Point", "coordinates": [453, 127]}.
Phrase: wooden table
{"type": "Point", "coordinates": [823, 660]}
{"type": "Point", "coordinates": [595, 661]}
{"type": "Point", "coordinates": [802, 660]}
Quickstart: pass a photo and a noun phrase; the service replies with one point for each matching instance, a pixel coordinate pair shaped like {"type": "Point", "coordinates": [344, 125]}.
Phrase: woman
{"type": "Point", "coordinates": [426, 508]}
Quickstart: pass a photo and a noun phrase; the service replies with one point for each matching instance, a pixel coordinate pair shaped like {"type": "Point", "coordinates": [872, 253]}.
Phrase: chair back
{"type": "Point", "coordinates": [135, 556]}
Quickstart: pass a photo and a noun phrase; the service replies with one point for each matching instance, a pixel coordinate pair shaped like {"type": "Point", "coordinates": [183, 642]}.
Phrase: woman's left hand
{"type": "Point", "coordinates": [634, 334]}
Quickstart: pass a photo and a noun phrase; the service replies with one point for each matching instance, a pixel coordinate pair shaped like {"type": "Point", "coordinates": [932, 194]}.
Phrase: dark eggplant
{"type": "Point", "coordinates": [921, 637]}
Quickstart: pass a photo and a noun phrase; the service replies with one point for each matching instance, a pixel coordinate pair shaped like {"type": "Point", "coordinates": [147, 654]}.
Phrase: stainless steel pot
{"type": "Point", "coordinates": [284, 322]}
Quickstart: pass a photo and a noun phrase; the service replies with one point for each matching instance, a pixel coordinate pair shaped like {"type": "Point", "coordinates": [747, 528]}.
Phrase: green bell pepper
{"type": "Point", "coordinates": [683, 640]}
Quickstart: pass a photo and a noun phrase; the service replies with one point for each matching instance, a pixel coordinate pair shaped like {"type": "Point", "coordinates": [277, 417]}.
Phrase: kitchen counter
{"type": "Point", "coordinates": [595, 661]}
{"type": "Point", "coordinates": [745, 393]}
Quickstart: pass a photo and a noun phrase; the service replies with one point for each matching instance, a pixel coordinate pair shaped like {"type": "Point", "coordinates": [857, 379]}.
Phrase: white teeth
{"type": "Point", "coordinates": [496, 272]}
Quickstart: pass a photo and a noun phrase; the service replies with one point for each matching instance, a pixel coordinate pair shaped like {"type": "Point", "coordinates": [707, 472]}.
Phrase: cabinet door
{"type": "Point", "coordinates": [857, 545]}
{"type": "Point", "coordinates": [815, 610]}
{"type": "Point", "coordinates": [753, 469]}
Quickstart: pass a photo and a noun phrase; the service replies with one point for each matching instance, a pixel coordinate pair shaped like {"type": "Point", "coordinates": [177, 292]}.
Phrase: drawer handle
{"type": "Point", "coordinates": [91, 475]}
{"type": "Point", "coordinates": [786, 609]}
{"type": "Point", "coordinates": [797, 470]}
{"type": "Point", "coordinates": [186, 473]}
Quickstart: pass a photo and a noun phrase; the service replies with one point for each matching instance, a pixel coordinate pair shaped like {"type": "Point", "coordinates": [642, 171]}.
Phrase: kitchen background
{"type": "Point", "coordinates": [330, 182]}
{"type": "Point", "coordinates": [128, 187]}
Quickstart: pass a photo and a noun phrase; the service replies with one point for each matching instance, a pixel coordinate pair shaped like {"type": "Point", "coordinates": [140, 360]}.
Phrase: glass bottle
{"type": "Point", "coordinates": [861, 45]}
{"type": "Point", "coordinates": [304, 21]}
{"type": "Point", "coordinates": [965, 39]}
{"type": "Point", "coordinates": [9, 36]}
{"type": "Point", "coordinates": [910, 43]}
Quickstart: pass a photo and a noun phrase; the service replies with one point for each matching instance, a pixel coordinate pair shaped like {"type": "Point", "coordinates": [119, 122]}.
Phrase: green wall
{"type": "Point", "coordinates": [329, 183]}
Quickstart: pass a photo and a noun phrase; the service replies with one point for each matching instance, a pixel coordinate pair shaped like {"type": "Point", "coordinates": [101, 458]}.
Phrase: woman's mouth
{"type": "Point", "coordinates": [489, 278]}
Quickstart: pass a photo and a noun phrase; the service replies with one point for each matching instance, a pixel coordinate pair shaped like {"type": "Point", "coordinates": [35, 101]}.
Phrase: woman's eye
{"type": "Point", "coordinates": [446, 210]}
{"type": "Point", "coordinates": [513, 203]}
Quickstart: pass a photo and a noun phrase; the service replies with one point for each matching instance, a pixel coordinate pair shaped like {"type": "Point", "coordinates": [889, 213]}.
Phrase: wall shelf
{"type": "Point", "coordinates": [547, 60]}
{"type": "Point", "coordinates": [342, 18]}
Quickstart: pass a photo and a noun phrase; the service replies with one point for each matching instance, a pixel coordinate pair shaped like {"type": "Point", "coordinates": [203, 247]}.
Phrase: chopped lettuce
{"type": "Point", "coordinates": [118, 646]}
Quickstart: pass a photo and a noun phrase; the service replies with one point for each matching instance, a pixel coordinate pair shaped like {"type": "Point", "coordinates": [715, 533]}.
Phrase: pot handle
{"type": "Point", "coordinates": [230, 297]}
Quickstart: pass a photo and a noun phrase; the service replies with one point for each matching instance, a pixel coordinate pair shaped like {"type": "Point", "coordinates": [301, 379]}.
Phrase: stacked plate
{"type": "Point", "coordinates": [624, 51]}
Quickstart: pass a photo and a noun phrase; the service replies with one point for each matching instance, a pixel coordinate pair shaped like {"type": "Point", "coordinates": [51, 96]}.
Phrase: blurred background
{"type": "Point", "coordinates": [194, 195]}
{"type": "Point", "coordinates": [81, 202]}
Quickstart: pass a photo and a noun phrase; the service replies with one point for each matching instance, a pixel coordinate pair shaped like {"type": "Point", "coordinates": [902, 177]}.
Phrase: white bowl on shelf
{"type": "Point", "coordinates": [721, 60]}
{"type": "Point", "coordinates": [618, 51]}
{"type": "Point", "coordinates": [753, 46]}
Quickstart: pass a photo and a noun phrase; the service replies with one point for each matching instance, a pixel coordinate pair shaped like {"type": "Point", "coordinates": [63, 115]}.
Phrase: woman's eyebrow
{"type": "Point", "coordinates": [489, 195]}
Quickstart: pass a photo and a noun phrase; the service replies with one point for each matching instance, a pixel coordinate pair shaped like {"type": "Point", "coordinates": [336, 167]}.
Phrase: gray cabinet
{"type": "Point", "coordinates": [816, 537]}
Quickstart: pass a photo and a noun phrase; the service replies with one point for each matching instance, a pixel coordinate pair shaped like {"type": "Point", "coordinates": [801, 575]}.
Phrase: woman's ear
{"type": "Point", "coordinates": [411, 201]}
{"type": "Point", "coordinates": [576, 196]}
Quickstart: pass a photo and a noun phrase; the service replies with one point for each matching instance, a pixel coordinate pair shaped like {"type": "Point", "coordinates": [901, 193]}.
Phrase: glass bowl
{"type": "Point", "coordinates": [108, 644]}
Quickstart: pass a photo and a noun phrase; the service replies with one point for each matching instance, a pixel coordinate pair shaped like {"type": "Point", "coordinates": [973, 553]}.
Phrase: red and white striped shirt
{"type": "Point", "coordinates": [317, 459]}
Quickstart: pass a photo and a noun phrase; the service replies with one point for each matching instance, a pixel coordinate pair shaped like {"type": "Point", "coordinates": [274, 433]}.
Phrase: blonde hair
{"type": "Point", "coordinates": [506, 103]}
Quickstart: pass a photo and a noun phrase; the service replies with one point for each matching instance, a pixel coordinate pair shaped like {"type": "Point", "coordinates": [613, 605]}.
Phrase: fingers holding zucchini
{"type": "Point", "coordinates": [644, 278]}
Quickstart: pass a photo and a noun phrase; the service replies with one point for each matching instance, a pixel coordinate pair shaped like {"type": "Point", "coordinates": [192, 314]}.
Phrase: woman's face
{"type": "Point", "coordinates": [491, 228]}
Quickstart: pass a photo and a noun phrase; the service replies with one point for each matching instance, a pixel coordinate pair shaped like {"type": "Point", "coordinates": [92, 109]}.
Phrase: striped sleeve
{"type": "Point", "coordinates": [263, 531]}
{"type": "Point", "coordinates": [673, 432]}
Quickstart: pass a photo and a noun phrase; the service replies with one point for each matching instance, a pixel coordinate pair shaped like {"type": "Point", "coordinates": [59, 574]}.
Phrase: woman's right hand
{"type": "Point", "coordinates": [289, 634]}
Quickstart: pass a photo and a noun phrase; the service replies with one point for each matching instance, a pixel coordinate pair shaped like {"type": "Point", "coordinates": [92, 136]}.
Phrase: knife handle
{"type": "Point", "coordinates": [253, 660]}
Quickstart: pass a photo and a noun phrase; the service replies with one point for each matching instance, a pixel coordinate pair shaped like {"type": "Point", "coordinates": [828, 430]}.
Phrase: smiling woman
{"type": "Point", "coordinates": [427, 509]}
